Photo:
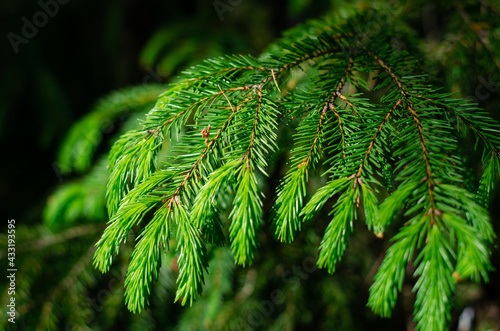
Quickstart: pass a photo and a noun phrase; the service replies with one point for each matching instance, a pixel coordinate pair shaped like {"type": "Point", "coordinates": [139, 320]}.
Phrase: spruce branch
{"type": "Point", "coordinates": [80, 144]}
{"type": "Point", "coordinates": [290, 194]}
{"type": "Point", "coordinates": [217, 129]}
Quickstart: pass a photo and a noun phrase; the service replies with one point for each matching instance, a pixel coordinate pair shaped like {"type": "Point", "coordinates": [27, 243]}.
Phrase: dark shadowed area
{"type": "Point", "coordinates": [61, 61]}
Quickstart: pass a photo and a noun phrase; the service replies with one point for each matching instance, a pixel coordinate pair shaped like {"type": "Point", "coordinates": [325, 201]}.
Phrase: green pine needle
{"type": "Point", "coordinates": [362, 112]}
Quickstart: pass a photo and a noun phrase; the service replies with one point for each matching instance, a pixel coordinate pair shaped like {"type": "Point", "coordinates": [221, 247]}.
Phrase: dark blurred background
{"type": "Point", "coordinates": [90, 48]}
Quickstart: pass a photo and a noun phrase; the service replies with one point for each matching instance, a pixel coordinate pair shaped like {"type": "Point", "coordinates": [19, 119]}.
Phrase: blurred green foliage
{"type": "Point", "coordinates": [48, 95]}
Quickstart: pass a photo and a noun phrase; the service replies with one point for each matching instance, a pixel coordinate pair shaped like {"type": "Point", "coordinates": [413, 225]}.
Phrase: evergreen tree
{"type": "Point", "coordinates": [218, 127]}
{"type": "Point", "coordinates": [208, 176]}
